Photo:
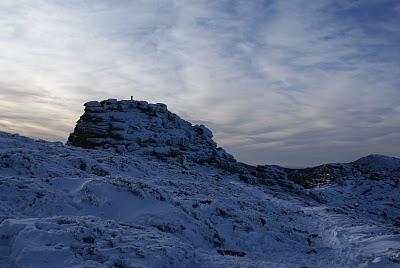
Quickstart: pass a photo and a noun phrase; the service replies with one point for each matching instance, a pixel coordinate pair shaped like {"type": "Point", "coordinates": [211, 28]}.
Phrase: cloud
{"type": "Point", "coordinates": [282, 82]}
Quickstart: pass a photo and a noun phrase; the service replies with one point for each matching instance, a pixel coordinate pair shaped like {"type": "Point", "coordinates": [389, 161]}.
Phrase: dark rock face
{"type": "Point", "coordinates": [147, 128]}
{"type": "Point", "coordinates": [320, 175]}
{"type": "Point", "coordinates": [374, 167]}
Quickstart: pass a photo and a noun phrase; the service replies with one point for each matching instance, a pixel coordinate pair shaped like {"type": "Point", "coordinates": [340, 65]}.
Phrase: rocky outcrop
{"type": "Point", "coordinates": [130, 125]}
{"type": "Point", "coordinates": [375, 167]}
{"type": "Point", "coordinates": [321, 175]}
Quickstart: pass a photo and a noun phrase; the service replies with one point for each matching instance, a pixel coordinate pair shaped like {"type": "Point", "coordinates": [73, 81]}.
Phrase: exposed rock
{"type": "Point", "coordinates": [372, 167]}
{"type": "Point", "coordinates": [130, 125]}
{"type": "Point", "coordinates": [231, 252]}
{"type": "Point", "coordinates": [320, 175]}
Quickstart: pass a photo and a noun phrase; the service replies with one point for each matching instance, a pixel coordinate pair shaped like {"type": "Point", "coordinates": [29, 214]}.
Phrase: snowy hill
{"type": "Point", "coordinates": [378, 163]}
{"type": "Point", "coordinates": [129, 203]}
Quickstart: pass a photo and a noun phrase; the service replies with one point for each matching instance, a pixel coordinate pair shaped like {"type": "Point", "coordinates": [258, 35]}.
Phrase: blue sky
{"type": "Point", "coordinates": [282, 82]}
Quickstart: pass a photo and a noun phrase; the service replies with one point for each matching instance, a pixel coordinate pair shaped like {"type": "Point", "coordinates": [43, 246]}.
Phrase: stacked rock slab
{"type": "Point", "coordinates": [130, 125]}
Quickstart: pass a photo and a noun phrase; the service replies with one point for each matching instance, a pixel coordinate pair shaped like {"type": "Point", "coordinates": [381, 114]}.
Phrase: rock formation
{"type": "Point", "coordinates": [130, 125]}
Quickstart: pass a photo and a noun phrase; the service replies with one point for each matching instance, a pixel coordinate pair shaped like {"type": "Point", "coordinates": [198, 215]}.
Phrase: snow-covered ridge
{"type": "Point", "coordinates": [130, 125]}
{"type": "Point", "coordinates": [65, 206]}
{"type": "Point", "coordinates": [378, 164]}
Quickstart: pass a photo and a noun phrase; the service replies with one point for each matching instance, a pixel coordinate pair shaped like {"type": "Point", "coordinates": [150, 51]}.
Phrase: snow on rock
{"type": "Point", "coordinates": [130, 125]}
{"type": "Point", "coordinates": [68, 206]}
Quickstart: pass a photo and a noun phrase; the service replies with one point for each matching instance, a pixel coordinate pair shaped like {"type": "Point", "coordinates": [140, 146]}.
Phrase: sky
{"type": "Point", "coordinates": [290, 82]}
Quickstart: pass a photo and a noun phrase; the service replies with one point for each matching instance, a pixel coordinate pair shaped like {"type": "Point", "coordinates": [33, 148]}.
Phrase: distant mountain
{"type": "Point", "coordinates": [137, 186]}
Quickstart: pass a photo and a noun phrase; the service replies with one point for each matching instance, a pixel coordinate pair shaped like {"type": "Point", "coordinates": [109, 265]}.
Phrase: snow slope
{"type": "Point", "coordinates": [65, 206]}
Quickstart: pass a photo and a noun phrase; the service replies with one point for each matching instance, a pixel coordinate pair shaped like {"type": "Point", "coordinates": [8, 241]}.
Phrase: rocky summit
{"type": "Point", "coordinates": [131, 125]}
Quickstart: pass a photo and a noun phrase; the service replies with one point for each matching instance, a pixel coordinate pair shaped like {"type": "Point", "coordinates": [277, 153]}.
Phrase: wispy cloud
{"type": "Point", "coordinates": [289, 82]}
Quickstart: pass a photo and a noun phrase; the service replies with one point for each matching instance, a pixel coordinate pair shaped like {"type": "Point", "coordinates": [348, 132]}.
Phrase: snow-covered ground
{"type": "Point", "coordinates": [63, 206]}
